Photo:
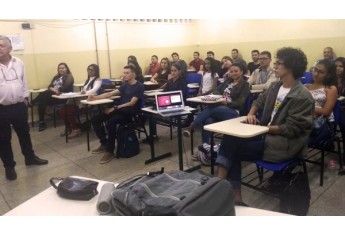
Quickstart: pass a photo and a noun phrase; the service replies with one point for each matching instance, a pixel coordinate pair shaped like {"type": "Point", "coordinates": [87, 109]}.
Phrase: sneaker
{"type": "Point", "coordinates": [42, 126]}
{"type": "Point", "coordinates": [11, 174]}
{"type": "Point", "coordinates": [106, 158]}
{"type": "Point", "coordinates": [186, 133]}
{"type": "Point", "coordinates": [74, 134]}
{"type": "Point", "coordinates": [100, 149]}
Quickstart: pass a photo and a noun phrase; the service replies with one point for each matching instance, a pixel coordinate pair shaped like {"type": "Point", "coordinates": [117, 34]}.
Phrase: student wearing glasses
{"type": "Point", "coordinates": [288, 109]}
{"type": "Point", "coordinates": [264, 75]}
{"type": "Point", "coordinates": [13, 110]}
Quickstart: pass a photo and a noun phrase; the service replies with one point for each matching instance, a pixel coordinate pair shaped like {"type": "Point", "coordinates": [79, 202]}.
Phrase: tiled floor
{"type": "Point", "coordinates": [72, 158]}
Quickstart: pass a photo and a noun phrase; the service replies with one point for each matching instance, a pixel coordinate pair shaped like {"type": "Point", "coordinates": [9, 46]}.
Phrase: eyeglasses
{"type": "Point", "coordinates": [263, 58]}
{"type": "Point", "coordinates": [12, 77]}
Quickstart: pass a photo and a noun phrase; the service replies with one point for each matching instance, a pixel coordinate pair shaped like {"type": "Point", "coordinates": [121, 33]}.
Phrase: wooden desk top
{"type": "Point", "coordinates": [235, 127]}
{"type": "Point", "coordinates": [70, 95]}
{"type": "Point", "coordinates": [202, 99]}
{"type": "Point", "coordinates": [37, 90]}
{"type": "Point", "coordinates": [97, 102]}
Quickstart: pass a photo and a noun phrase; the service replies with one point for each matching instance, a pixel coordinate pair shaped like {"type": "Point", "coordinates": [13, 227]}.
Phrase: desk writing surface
{"type": "Point", "coordinates": [70, 95]}
{"type": "Point", "coordinates": [256, 91]}
{"type": "Point", "coordinates": [193, 85]}
{"type": "Point", "coordinates": [341, 98]}
{"type": "Point", "coordinates": [96, 102]}
{"type": "Point", "coordinates": [37, 90]}
{"type": "Point", "coordinates": [48, 203]}
{"type": "Point", "coordinates": [201, 99]}
{"type": "Point", "coordinates": [234, 127]}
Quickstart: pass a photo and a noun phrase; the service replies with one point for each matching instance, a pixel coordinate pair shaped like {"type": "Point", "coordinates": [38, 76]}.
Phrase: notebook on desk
{"type": "Point", "coordinates": [170, 103]}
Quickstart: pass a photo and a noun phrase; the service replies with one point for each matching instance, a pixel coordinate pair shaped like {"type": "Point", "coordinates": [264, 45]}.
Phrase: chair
{"type": "Point", "coordinates": [106, 84]}
{"type": "Point", "coordinates": [307, 78]}
{"type": "Point", "coordinates": [193, 78]}
{"type": "Point", "coordinates": [58, 105]}
{"type": "Point", "coordinates": [322, 147]}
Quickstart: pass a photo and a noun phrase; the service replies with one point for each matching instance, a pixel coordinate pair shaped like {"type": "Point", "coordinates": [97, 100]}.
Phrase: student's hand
{"type": "Point", "coordinates": [109, 110]}
{"type": "Point", "coordinates": [82, 91]}
{"type": "Point", "coordinates": [91, 98]}
{"type": "Point", "coordinates": [153, 81]}
{"type": "Point", "coordinates": [251, 119]}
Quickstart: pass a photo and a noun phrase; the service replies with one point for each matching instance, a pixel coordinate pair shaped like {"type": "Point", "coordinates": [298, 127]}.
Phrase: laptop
{"type": "Point", "coordinates": [170, 103]}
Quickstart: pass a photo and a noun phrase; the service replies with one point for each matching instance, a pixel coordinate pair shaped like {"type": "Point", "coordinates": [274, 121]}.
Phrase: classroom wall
{"type": "Point", "coordinates": [108, 43]}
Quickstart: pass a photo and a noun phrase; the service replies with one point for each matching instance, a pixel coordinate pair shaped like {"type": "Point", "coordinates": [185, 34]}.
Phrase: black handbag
{"type": "Point", "coordinates": [74, 188]}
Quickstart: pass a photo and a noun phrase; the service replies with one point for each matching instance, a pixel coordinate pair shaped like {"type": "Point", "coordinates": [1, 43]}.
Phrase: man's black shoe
{"type": "Point", "coordinates": [11, 174]}
{"type": "Point", "coordinates": [36, 161]}
{"type": "Point", "coordinates": [42, 126]}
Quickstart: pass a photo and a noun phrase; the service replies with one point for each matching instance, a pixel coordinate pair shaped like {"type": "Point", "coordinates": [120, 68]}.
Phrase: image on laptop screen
{"type": "Point", "coordinates": [169, 101]}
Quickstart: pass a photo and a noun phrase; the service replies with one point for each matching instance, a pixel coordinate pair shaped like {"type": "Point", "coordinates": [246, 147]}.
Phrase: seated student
{"type": "Point", "coordinates": [288, 109]}
{"type": "Point", "coordinates": [340, 72]}
{"type": "Point", "coordinates": [197, 64]}
{"type": "Point", "coordinates": [255, 63]}
{"type": "Point", "coordinates": [161, 77]}
{"type": "Point", "coordinates": [176, 82]}
{"type": "Point", "coordinates": [62, 82]}
{"type": "Point", "coordinates": [217, 63]}
{"type": "Point", "coordinates": [324, 91]}
{"type": "Point", "coordinates": [236, 90]}
{"type": "Point", "coordinates": [91, 86]}
{"type": "Point", "coordinates": [210, 77]}
{"type": "Point", "coordinates": [226, 63]}
{"type": "Point", "coordinates": [154, 66]}
{"type": "Point", "coordinates": [138, 71]}
{"type": "Point", "coordinates": [182, 64]}
{"type": "Point", "coordinates": [264, 75]}
{"type": "Point", "coordinates": [131, 92]}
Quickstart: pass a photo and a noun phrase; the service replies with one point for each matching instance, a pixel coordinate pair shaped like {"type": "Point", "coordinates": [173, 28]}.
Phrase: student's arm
{"type": "Point", "coordinates": [67, 84]}
{"type": "Point", "coordinates": [154, 78]}
{"type": "Point", "coordinates": [96, 86]}
{"type": "Point", "coordinates": [115, 92]}
{"type": "Point", "coordinates": [331, 98]}
{"type": "Point", "coordinates": [272, 78]}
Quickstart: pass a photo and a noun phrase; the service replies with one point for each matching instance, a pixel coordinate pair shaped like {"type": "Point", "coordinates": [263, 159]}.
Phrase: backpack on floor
{"type": "Point", "coordinates": [174, 193]}
{"type": "Point", "coordinates": [127, 142]}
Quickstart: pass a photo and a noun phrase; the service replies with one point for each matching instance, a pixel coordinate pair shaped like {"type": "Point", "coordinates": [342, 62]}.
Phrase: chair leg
{"type": "Point", "coordinates": [322, 166]}
{"type": "Point", "coordinates": [54, 116]}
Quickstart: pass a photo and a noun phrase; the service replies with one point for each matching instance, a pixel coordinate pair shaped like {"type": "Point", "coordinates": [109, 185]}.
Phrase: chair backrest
{"type": "Point", "coordinates": [307, 78]}
{"type": "Point", "coordinates": [106, 84]}
{"type": "Point", "coordinates": [193, 78]}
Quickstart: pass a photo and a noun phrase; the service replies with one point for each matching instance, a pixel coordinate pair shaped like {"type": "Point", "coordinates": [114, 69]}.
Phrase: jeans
{"type": "Point", "coordinates": [234, 150]}
{"type": "Point", "coordinates": [211, 115]}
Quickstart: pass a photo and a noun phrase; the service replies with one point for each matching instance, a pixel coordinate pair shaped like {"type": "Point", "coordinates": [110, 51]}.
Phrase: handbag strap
{"type": "Point", "coordinates": [53, 179]}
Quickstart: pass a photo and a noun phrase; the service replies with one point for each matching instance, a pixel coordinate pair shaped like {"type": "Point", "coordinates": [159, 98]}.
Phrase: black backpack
{"type": "Point", "coordinates": [127, 142]}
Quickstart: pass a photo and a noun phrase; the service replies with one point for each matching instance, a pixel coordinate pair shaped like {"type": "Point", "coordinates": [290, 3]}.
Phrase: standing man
{"type": "Point", "coordinates": [154, 66]}
{"type": "Point", "coordinates": [264, 75]}
{"type": "Point", "coordinates": [14, 110]}
{"type": "Point", "coordinates": [255, 63]}
{"type": "Point", "coordinates": [132, 93]}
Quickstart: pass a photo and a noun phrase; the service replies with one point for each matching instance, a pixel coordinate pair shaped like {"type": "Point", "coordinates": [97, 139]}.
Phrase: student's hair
{"type": "Point", "coordinates": [266, 53]}
{"type": "Point", "coordinates": [155, 56]}
{"type": "Point", "coordinates": [255, 51]}
{"type": "Point", "coordinates": [138, 70]}
{"type": "Point", "coordinates": [293, 59]}
{"type": "Point", "coordinates": [175, 54]}
{"type": "Point", "coordinates": [236, 50]}
{"type": "Point", "coordinates": [131, 58]}
{"type": "Point", "coordinates": [96, 68]}
{"type": "Point", "coordinates": [169, 66]}
{"type": "Point", "coordinates": [342, 87]}
{"type": "Point", "coordinates": [210, 52]}
{"type": "Point", "coordinates": [213, 65]}
{"type": "Point", "coordinates": [177, 66]}
{"type": "Point", "coordinates": [131, 67]}
{"type": "Point", "coordinates": [67, 71]}
{"type": "Point", "coordinates": [228, 58]}
{"type": "Point", "coordinates": [240, 65]}
{"type": "Point", "coordinates": [331, 78]}
{"type": "Point", "coordinates": [197, 53]}
{"type": "Point", "coordinates": [5, 38]}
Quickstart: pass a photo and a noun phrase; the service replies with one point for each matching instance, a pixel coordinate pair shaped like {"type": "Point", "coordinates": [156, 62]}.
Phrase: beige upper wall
{"type": "Point", "coordinates": [80, 43]}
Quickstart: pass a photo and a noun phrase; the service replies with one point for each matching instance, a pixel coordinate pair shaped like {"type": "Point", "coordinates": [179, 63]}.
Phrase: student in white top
{"type": "Point", "coordinates": [91, 86]}
{"type": "Point", "coordinates": [14, 110]}
{"type": "Point", "coordinates": [210, 77]}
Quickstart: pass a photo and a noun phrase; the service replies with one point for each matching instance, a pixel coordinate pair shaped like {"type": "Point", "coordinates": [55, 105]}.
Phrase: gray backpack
{"type": "Point", "coordinates": [174, 193]}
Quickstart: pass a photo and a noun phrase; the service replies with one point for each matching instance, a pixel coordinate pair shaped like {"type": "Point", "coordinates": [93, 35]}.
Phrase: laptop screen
{"type": "Point", "coordinates": [169, 101]}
